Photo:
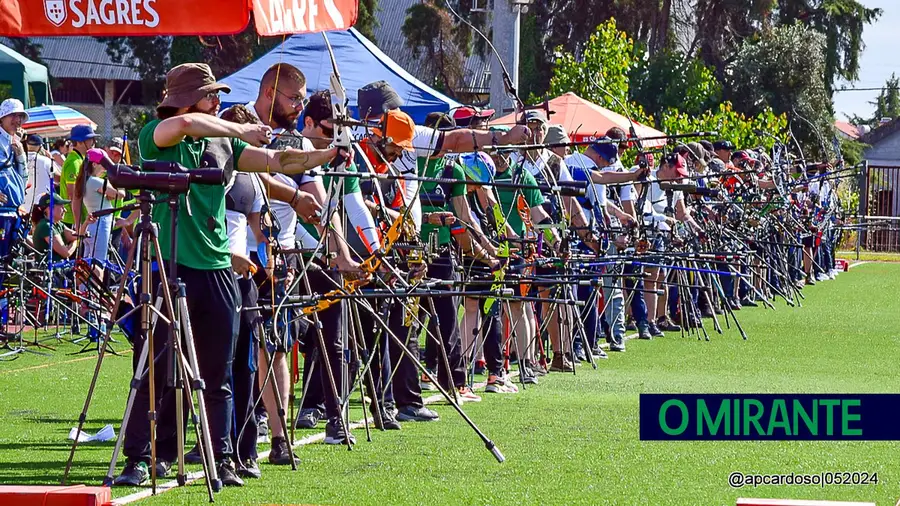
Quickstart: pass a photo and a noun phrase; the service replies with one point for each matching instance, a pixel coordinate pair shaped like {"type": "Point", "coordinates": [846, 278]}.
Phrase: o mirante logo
{"type": "Point", "coordinates": [769, 417]}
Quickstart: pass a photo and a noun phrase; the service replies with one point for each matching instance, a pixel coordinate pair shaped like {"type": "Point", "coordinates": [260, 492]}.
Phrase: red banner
{"type": "Point", "coordinates": [28, 18]}
{"type": "Point", "coordinates": [284, 17]}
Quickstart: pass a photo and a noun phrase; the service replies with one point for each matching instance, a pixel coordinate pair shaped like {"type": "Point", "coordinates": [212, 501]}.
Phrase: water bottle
{"type": "Point", "coordinates": [92, 327]}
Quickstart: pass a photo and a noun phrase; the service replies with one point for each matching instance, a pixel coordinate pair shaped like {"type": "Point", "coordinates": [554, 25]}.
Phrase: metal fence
{"type": "Point", "coordinates": [879, 211]}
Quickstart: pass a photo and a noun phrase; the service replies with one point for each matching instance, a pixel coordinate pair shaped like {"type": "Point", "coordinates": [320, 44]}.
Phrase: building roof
{"type": "Point", "coordinates": [848, 129]}
{"type": "Point", "coordinates": [390, 39]}
{"type": "Point", "coordinates": [80, 58]}
{"type": "Point", "coordinates": [881, 133]}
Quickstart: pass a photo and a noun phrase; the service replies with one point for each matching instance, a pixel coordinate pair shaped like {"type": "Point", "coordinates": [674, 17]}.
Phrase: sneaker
{"type": "Point", "coordinates": [262, 430]}
{"type": "Point", "coordinates": [821, 277]}
{"type": "Point", "coordinates": [308, 418]}
{"type": "Point", "coordinates": [747, 301]}
{"type": "Point", "coordinates": [667, 325]}
{"type": "Point", "coordinates": [465, 394]}
{"type": "Point", "coordinates": [598, 352]}
{"type": "Point", "coordinates": [162, 468]}
{"type": "Point", "coordinates": [193, 456]}
{"type": "Point", "coordinates": [617, 347]}
{"type": "Point", "coordinates": [498, 385]}
{"type": "Point", "coordinates": [249, 468]}
{"type": "Point", "coordinates": [226, 472]}
{"type": "Point", "coordinates": [580, 356]}
{"type": "Point", "coordinates": [644, 332]}
{"type": "Point", "coordinates": [281, 453]}
{"type": "Point", "coordinates": [734, 304]}
{"type": "Point", "coordinates": [425, 383]}
{"type": "Point", "coordinates": [135, 474]}
{"type": "Point", "coordinates": [480, 367]}
{"type": "Point", "coordinates": [416, 414]}
{"type": "Point", "coordinates": [388, 421]}
{"type": "Point", "coordinates": [561, 363]}
{"type": "Point", "coordinates": [630, 325]}
{"type": "Point", "coordinates": [654, 330]}
{"type": "Point", "coordinates": [536, 367]}
{"type": "Point", "coordinates": [335, 434]}
{"type": "Point", "coordinates": [810, 281]}
{"type": "Point", "coordinates": [528, 375]}
{"type": "Point", "coordinates": [718, 310]}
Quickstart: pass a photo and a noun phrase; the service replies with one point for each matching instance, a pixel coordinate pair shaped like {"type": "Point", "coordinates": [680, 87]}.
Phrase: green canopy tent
{"type": "Point", "coordinates": [21, 72]}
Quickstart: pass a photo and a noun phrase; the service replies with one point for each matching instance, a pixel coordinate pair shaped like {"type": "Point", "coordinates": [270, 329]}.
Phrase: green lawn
{"type": "Point", "coordinates": [571, 439]}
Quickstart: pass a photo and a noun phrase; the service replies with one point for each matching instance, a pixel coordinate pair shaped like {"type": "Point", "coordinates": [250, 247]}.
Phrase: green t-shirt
{"type": "Point", "coordinates": [508, 196]}
{"type": "Point", "coordinates": [202, 238]}
{"type": "Point", "coordinates": [42, 232]}
{"type": "Point", "coordinates": [69, 176]}
{"type": "Point", "coordinates": [434, 168]}
{"type": "Point", "coordinates": [351, 186]}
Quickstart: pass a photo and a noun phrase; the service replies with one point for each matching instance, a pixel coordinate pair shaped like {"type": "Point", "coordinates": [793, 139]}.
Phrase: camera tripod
{"type": "Point", "coordinates": [180, 356]}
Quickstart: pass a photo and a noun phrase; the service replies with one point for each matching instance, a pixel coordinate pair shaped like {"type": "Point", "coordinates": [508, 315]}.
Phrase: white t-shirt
{"type": "Point", "coordinates": [236, 222]}
{"type": "Point", "coordinates": [39, 178]}
{"type": "Point", "coordinates": [656, 203]}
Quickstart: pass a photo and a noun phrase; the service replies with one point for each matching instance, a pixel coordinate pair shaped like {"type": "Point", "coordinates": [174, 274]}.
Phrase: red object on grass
{"type": "Point", "coordinates": [40, 495]}
{"type": "Point", "coordinates": [797, 502]}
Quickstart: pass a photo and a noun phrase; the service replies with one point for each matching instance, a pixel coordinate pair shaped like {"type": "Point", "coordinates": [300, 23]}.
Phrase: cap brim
{"type": "Point", "coordinates": [486, 113]}
{"type": "Point", "coordinates": [406, 145]}
{"type": "Point", "coordinates": [682, 171]}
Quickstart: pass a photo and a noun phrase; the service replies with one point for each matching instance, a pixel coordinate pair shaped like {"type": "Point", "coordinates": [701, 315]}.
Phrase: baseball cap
{"type": "Point", "coordinates": [478, 167]}
{"type": "Point", "coordinates": [398, 127]}
{"type": "Point", "coordinates": [740, 156]}
{"type": "Point", "coordinates": [609, 151]}
{"type": "Point", "coordinates": [723, 144]}
{"type": "Point", "coordinates": [677, 162]}
{"type": "Point", "coordinates": [188, 83]}
{"type": "Point", "coordinates": [116, 144]}
{"type": "Point", "coordinates": [81, 133]}
{"type": "Point", "coordinates": [12, 106]}
{"type": "Point", "coordinates": [465, 114]}
{"type": "Point", "coordinates": [535, 115]}
{"type": "Point", "coordinates": [375, 99]}
{"type": "Point", "coordinates": [556, 134]}
{"type": "Point", "coordinates": [440, 121]}
{"type": "Point", "coordinates": [44, 201]}
{"type": "Point", "coordinates": [34, 140]}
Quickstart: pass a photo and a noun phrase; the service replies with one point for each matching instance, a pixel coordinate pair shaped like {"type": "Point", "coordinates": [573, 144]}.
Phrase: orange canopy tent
{"type": "Point", "coordinates": [586, 121]}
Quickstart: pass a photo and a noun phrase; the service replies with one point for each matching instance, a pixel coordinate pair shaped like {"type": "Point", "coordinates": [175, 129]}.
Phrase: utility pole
{"type": "Point", "coordinates": [505, 22]}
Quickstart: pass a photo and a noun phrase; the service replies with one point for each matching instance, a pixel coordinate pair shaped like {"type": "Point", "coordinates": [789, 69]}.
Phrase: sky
{"type": "Point", "coordinates": [880, 57]}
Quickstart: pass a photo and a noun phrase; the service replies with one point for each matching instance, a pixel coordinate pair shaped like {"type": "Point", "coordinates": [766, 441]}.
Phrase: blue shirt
{"type": "Point", "coordinates": [12, 175]}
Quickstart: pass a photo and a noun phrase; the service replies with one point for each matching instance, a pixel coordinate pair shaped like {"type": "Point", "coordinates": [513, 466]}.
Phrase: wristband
{"type": "Point", "coordinates": [296, 195]}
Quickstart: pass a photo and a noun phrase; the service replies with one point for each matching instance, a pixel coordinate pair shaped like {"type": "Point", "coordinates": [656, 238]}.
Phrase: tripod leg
{"type": "Point", "coordinates": [279, 406]}
{"type": "Point", "coordinates": [403, 349]}
{"type": "Point", "coordinates": [87, 401]}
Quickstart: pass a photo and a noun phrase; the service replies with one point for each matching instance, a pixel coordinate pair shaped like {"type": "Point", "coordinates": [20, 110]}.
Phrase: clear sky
{"type": "Point", "coordinates": [878, 60]}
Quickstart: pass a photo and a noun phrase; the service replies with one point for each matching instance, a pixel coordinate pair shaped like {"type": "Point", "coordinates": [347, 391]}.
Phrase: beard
{"type": "Point", "coordinates": [285, 118]}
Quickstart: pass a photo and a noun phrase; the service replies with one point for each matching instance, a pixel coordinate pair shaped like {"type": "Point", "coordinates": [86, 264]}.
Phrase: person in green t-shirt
{"type": "Point", "coordinates": [83, 138]}
{"type": "Point", "coordinates": [51, 230]}
{"type": "Point", "coordinates": [188, 132]}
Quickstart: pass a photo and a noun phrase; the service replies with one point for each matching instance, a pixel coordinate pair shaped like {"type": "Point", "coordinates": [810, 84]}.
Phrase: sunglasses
{"type": "Point", "coordinates": [327, 130]}
{"type": "Point", "coordinates": [213, 96]}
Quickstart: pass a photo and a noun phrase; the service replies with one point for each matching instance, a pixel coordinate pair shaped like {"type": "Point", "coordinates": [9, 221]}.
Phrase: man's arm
{"type": "Point", "coordinates": [598, 177]}
{"type": "Point", "coordinates": [466, 140]}
{"type": "Point", "coordinates": [290, 161]}
{"type": "Point", "coordinates": [171, 131]}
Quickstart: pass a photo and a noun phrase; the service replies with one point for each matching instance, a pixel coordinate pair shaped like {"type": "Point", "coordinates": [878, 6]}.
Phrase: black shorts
{"type": "Point", "coordinates": [808, 241]}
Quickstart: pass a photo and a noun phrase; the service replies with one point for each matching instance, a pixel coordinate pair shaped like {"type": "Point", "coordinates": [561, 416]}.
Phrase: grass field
{"type": "Point", "coordinates": [571, 439]}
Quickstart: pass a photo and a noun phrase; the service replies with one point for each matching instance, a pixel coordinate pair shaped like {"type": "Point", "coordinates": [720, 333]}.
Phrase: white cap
{"type": "Point", "coordinates": [12, 106]}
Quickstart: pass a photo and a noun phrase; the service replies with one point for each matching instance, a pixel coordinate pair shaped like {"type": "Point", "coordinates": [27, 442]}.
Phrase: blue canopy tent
{"type": "Point", "coordinates": [359, 61]}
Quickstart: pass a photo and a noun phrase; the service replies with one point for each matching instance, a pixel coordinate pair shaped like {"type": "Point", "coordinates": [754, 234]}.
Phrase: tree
{"type": "Point", "coordinates": [671, 80]}
{"type": "Point", "coordinates": [842, 23]}
{"type": "Point", "coordinates": [601, 73]}
{"type": "Point", "coordinates": [887, 104]}
{"type": "Point", "coordinates": [431, 34]}
{"type": "Point", "coordinates": [784, 69]}
{"type": "Point", "coordinates": [367, 19]}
